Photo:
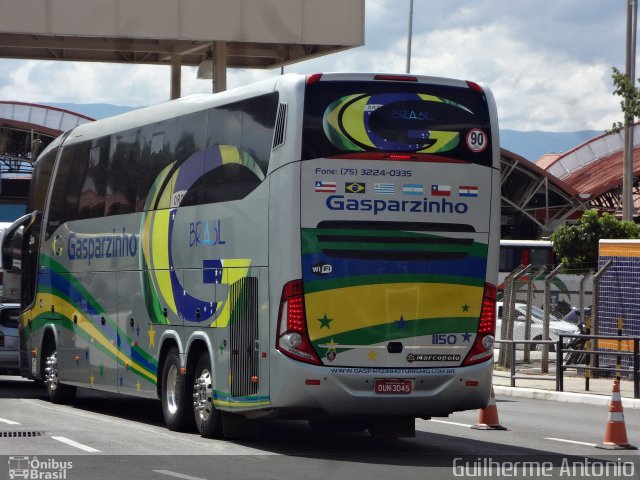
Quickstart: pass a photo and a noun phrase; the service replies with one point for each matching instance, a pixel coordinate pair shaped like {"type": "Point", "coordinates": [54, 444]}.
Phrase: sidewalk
{"type": "Point", "coordinates": [530, 383]}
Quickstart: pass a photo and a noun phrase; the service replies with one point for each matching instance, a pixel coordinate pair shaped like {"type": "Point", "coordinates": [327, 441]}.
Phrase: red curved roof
{"type": "Point", "coordinates": [602, 175]}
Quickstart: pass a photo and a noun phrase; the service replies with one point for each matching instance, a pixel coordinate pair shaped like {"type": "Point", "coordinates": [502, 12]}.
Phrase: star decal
{"type": "Point", "coordinates": [466, 337]}
{"type": "Point", "coordinates": [325, 321]}
{"type": "Point", "coordinates": [372, 355]}
{"type": "Point", "coordinates": [401, 324]}
{"type": "Point", "coordinates": [152, 336]}
{"type": "Point", "coordinates": [331, 345]}
{"type": "Point", "coordinates": [465, 307]}
{"type": "Point", "coordinates": [221, 348]}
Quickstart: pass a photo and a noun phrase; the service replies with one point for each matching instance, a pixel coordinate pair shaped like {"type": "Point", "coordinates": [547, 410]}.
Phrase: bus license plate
{"type": "Point", "coordinates": [393, 386]}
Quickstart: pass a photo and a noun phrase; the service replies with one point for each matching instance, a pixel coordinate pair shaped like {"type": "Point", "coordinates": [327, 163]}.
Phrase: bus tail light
{"type": "Point", "coordinates": [482, 348]}
{"type": "Point", "coordinates": [475, 86]}
{"type": "Point", "coordinates": [293, 338]}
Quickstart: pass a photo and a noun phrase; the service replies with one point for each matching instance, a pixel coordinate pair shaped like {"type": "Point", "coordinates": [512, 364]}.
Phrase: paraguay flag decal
{"type": "Point", "coordinates": [468, 191]}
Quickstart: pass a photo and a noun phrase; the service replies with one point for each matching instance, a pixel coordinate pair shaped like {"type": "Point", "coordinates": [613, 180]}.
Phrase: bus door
{"type": "Point", "coordinates": [137, 345]}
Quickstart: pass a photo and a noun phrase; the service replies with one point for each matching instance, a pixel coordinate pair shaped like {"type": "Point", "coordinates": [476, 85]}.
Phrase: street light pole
{"type": "Point", "coordinates": [627, 170]}
{"type": "Point", "coordinates": [409, 35]}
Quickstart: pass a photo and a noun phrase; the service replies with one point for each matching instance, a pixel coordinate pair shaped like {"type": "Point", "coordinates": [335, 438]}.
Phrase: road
{"type": "Point", "coordinates": [119, 437]}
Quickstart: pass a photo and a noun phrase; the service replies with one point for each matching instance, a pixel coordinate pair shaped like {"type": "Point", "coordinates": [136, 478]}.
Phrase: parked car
{"type": "Point", "coordinates": [556, 326]}
{"type": "Point", "coordinates": [9, 343]}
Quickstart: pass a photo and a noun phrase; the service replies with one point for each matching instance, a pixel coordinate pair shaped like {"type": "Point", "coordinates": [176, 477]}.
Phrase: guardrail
{"type": "Point", "coordinates": [512, 359]}
{"type": "Point", "coordinates": [567, 358]}
{"type": "Point", "coordinates": [591, 356]}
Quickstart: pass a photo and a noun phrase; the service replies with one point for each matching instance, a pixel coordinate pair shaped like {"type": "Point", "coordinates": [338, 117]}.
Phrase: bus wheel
{"type": "Point", "coordinates": [58, 393]}
{"type": "Point", "coordinates": [208, 418]}
{"type": "Point", "coordinates": [175, 402]}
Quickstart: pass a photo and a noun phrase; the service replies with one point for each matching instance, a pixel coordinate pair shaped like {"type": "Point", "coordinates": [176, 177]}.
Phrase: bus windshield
{"type": "Point", "coordinates": [346, 117]}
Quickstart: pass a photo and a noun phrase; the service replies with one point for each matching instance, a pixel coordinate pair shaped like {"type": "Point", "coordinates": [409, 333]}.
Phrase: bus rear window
{"type": "Point", "coordinates": [343, 117]}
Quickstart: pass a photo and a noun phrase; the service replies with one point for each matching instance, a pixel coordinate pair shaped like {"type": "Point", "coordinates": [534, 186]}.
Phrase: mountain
{"type": "Point", "coordinates": [530, 145]}
{"type": "Point", "coordinates": [93, 110]}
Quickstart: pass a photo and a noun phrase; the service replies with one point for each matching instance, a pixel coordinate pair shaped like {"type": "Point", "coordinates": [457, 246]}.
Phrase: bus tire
{"type": "Point", "coordinates": [176, 406]}
{"type": "Point", "coordinates": [58, 392]}
{"type": "Point", "coordinates": [208, 418]}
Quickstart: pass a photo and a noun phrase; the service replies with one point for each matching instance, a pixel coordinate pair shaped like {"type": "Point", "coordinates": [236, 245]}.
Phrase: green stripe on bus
{"type": "Point", "coordinates": [385, 332]}
{"type": "Point", "coordinates": [363, 280]}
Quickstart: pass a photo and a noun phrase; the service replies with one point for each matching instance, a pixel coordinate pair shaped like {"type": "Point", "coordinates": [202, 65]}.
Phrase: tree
{"type": "Point", "coordinates": [630, 100]}
{"type": "Point", "coordinates": [577, 245]}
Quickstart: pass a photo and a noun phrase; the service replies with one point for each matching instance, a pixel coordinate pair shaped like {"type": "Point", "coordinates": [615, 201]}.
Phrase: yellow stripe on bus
{"type": "Point", "coordinates": [345, 309]}
{"type": "Point", "coordinates": [66, 309]}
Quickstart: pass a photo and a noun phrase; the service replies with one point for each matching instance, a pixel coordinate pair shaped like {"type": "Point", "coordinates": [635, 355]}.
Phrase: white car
{"type": "Point", "coordinates": [556, 326]}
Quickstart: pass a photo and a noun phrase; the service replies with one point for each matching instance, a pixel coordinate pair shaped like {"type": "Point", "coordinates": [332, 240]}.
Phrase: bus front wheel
{"type": "Point", "coordinates": [58, 393]}
{"type": "Point", "coordinates": [208, 417]}
{"type": "Point", "coordinates": [176, 407]}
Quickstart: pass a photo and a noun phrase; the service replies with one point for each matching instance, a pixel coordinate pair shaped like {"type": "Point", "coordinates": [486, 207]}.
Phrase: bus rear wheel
{"type": "Point", "coordinates": [58, 393]}
{"type": "Point", "coordinates": [208, 417]}
{"type": "Point", "coordinates": [175, 401]}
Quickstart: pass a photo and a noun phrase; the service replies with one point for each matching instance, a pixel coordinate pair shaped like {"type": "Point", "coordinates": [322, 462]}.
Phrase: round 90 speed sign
{"type": "Point", "coordinates": [477, 140]}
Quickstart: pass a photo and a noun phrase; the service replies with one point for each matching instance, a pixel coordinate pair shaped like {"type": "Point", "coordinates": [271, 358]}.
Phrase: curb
{"type": "Point", "coordinates": [563, 397]}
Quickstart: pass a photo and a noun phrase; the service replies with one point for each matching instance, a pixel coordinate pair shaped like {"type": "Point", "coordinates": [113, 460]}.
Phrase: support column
{"type": "Point", "coordinates": [176, 76]}
{"type": "Point", "coordinates": [219, 82]}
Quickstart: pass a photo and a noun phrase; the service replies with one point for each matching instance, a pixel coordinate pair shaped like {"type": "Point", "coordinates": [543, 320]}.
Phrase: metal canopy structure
{"type": "Point", "coordinates": [534, 202]}
{"type": "Point", "coordinates": [232, 33]}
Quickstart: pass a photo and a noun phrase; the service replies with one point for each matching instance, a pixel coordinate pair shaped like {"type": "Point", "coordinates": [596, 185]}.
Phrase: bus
{"type": "Point", "coordinates": [565, 287]}
{"type": "Point", "coordinates": [321, 247]}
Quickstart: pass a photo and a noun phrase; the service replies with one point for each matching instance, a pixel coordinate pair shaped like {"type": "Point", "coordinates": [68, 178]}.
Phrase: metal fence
{"type": "Point", "coordinates": [534, 298]}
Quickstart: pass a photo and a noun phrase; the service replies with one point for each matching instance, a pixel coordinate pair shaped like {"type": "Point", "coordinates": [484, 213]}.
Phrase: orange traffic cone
{"type": "Point", "coordinates": [615, 434]}
{"type": "Point", "coordinates": [488, 419]}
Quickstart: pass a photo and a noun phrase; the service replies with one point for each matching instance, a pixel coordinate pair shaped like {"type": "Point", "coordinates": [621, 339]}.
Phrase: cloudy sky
{"type": "Point", "coordinates": [548, 62]}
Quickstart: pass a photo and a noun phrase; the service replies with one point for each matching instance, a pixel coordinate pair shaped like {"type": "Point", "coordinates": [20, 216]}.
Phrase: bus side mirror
{"type": "Point", "coordinates": [8, 239]}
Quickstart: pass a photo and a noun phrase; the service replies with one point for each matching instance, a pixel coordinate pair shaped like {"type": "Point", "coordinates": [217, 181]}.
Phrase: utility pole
{"type": "Point", "coordinates": [409, 35]}
{"type": "Point", "coordinates": [627, 170]}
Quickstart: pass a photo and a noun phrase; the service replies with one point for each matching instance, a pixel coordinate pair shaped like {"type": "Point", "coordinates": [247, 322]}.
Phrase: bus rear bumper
{"type": "Point", "coordinates": [350, 390]}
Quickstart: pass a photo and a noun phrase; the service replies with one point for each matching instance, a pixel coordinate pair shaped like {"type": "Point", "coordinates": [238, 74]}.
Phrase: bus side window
{"type": "Point", "coordinates": [124, 169]}
{"type": "Point", "coordinates": [68, 181]}
{"type": "Point", "coordinates": [157, 151]}
{"type": "Point", "coordinates": [92, 193]}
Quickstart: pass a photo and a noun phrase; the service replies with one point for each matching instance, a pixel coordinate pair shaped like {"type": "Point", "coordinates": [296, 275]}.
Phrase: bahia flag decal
{"type": "Point", "coordinates": [441, 190]}
{"type": "Point", "coordinates": [327, 187]}
{"type": "Point", "coordinates": [468, 191]}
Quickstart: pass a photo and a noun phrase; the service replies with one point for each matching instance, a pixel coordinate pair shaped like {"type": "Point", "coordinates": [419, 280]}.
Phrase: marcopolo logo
{"type": "Point", "coordinates": [34, 468]}
{"type": "Point", "coordinates": [442, 205]}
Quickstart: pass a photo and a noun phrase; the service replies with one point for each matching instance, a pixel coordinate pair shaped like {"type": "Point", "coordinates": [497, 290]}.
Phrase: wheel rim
{"type": "Point", "coordinates": [203, 395]}
{"type": "Point", "coordinates": [51, 371]}
{"type": "Point", "coordinates": [171, 382]}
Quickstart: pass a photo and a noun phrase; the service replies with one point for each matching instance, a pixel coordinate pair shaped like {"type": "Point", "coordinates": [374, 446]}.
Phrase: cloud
{"type": "Point", "coordinates": [548, 63]}
{"type": "Point", "coordinates": [536, 88]}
